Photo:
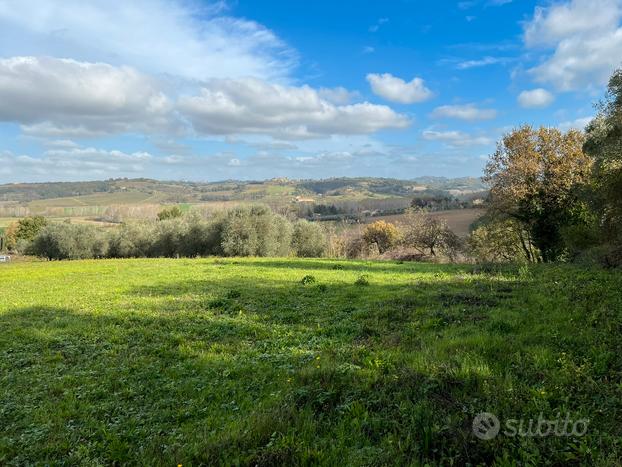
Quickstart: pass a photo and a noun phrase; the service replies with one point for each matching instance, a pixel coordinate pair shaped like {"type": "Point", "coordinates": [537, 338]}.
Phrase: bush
{"type": "Point", "coordinates": [308, 240]}
{"type": "Point", "coordinates": [384, 234]}
{"type": "Point", "coordinates": [69, 241]}
{"type": "Point", "coordinates": [131, 240]}
{"type": "Point", "coordinates": [501, 241]}
{"type": "Point", "coordinates": [19, 234]}
{"type": "Point", "coordinates": [255, 231]}
{"type": "Point", "coordinates": [242, 231]}
{"type": "Point", "coordinates": [362, 281]}
{"type": "Point", "coordinates": [168, 236]}
{"type": "Point", "coordinates": [202, 238]}
{"type": "Point", "coordinates": [308, 279]}
{"type": "Point", "coordinates": [170, 213]}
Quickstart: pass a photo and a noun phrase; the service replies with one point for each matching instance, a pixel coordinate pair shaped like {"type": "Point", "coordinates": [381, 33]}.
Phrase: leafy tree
{"type": "Point", "coordinates": [170, 213]}
{"type": "Point", "coordinates": [69, 241]}
{"type": "Point", "coordinates": [132, 240]}
{"type": "Point", "coordinates": [255, 231]}
{"type": "Point", "coordinates": [384, 234]}
{"type": "Point", "coordinates": [309, 239]}
{"type": "Point", "coordinates": [536, 177]}
{"type": "Point", "coordinates": [604, 143]}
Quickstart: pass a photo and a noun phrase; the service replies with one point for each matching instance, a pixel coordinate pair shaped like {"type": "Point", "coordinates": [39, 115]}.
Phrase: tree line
{"type": "Point", "coordinates": [557, 196]}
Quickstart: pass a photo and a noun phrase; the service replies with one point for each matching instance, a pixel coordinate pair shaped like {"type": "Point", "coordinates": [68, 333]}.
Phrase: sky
{"type": "Point", "coordinates": [251, 90]}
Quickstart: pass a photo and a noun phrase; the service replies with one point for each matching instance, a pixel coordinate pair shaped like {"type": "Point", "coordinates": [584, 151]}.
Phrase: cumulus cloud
{"type": "Point", "coordinates": [62, 97]}
{"type": "Point", "coordinates": [577, 124]}
{"type": "Point", "coordinates": [179, 37]}
{"type": "Point", "coordinates": [75, 164]}
{"type": "Point", "coordinates": [469, 112]}
{"type": "Point", "coordinates": [338, 95]}
{"type": "Point", "coordinates": [535, 98]}
{"type": "Point", "coordinates": [586, 38]}
{"type": "Point", "coordinates": [456, 138]}
{"type": "Point", "coordinates": [252, 106]}
{"type": "Point", "coordinates": [396, 89]}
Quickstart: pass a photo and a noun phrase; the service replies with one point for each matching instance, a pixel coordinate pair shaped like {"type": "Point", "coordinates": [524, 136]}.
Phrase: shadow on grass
{"type": "Point", "coordinates": [133, 389]}
{"type": "Point", "coordinates": [279, 373]}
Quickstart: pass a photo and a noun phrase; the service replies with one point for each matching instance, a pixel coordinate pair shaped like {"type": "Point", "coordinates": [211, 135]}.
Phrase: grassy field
{"type": "Point", "coordinates": [289, 362]}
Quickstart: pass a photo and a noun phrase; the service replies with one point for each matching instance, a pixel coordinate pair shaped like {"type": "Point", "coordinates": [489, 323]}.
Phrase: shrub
{"type": "Point", "coordinates": [362, 281]}
{"type": "Point", "coordinates": [202, 237]}
{"type": "Point", "coordinates": [29, 227]}
{"type": "Point", "coordinates": [308, 240]}
{"type": "Point", "coordinates": [501, 241]}
{"type": "Point", "coordinates": [168, 238]}
{"type": "Point", "coordinates": [131, 240]}
{"type": "Point", "coordinates": [69, 241]}
{"type": "Point", "coordinates": [170, 213]}
{"type": "Point", "coordinates": [255, 231]}
{"type": "Point", "coordinates": [20, 233]}
{"type": "Point", "coordinates": [384, 234]}
{"type": "Point", "coordinates": [308, 279]}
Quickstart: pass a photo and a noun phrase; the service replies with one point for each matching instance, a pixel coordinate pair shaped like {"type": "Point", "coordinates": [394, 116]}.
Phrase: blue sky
{"type": "Point", "coordinates": [188, 89]}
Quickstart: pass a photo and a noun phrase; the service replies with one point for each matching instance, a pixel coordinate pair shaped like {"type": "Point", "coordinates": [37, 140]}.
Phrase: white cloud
{"type": "Point", "coordinates": [469, 112]}
{"type": "Point", "coordinates": [586, 38]}
{"type": "Point", "coordinates": [465, 65]}
{"type": "Point", "coordinates": [75, 164]}
{"type": "Point", "coordinates": [456, 138]}
{"type": "Point", "coordinates": [61, 97]}
{"type": "Point", "coordinates": [338, 95]}
{"type": "Point", "coordinates": [578, 124]}
{"type": "Point", "coordinates": [178, 37]}
{"type": "Point", "coordinates": [397, 90]}
{"type": "Point", "coordinates": [535, 98]}
{"type": "Point", "coordinates": [251, 106]}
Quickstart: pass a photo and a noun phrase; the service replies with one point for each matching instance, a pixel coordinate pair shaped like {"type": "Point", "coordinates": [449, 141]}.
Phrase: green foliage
{"type": "Point", "coordinates": [131, 240]}
{"type": "Point", "coordinates": [170, 213]}
{"type": "Point", "coordinates": [308, 279]}
{"type": "Point", "coordinates": [501, 241]}
{"type": "Point", "coordinates": [308, 240]}
{"type": "Point", "coordinates": [158, 362]}
{"type": "Point", "coordinates": [69, 241]}
{"type": "Point", "coordinates": [604, 143]}
{"type": "Point", "coordinates": [255, 231]}
{"type": "Point", "coordinates": [536, 178]}
{"type": "Point", "coordinates": [362, 280]}
{"type": "Point", "coordinates": [29, 227]}
{"type": "Point", "coordinates": [243, 231]}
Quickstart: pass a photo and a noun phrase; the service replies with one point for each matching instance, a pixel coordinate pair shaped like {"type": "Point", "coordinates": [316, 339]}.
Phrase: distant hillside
{"type": "Point", "coordinates": [232, 190]}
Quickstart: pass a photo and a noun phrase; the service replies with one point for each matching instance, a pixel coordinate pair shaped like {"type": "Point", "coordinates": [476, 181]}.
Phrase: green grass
{"type": "Point", "coordinates": [241, 361]}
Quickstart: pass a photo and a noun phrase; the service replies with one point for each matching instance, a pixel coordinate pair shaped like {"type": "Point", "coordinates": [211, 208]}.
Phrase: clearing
{"type": "Point", "coordinates": [241, 361]}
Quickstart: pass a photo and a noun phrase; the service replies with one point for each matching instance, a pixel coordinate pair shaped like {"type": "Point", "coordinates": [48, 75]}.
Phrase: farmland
{"type": "Point", "coordinates": [290, 361]}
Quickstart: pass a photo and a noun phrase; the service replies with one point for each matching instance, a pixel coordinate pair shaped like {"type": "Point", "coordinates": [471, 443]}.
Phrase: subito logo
{"type": "Point", "coordinates": [486, 426]}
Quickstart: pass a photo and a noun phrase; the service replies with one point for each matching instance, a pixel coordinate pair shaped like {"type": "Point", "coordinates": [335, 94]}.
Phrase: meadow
{"type": "Point", "coordinates": [297, 362]}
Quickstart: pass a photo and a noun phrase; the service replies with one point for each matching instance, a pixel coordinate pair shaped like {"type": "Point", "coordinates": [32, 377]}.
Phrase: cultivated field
{"type": "Point", "coordinates": [285, 362]}
{"type": "Point", "coordinates": [458, 220]}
